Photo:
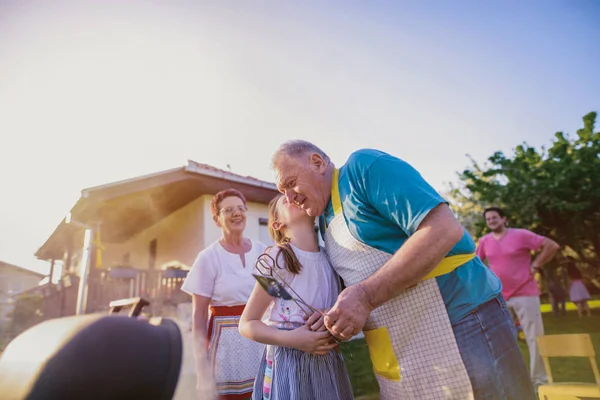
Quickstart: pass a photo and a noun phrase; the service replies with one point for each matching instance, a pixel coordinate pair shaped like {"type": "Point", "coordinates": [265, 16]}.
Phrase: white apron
{"type": "Point", "coordinates": [234, 359]}
{"type": "Point", "coordinates": [410, 338]}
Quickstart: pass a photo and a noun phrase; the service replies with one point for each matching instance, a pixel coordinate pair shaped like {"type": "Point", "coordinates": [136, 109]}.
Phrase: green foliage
{"type": "Point", "coordinates": [468, 206]}
{"type": "Point", "coordinates": [554, 192]}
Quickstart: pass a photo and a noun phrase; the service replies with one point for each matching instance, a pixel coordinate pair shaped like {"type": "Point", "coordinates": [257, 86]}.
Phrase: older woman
{"type": "Point", "coordinates": [221, 279]}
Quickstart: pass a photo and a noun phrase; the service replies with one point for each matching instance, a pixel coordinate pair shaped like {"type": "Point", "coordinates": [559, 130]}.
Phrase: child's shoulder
{"type": "Point", "coordinates": [275, 257]}
{"type": "Point", "coordinates": [273, 251]}
{"type": "Point", "coordinates": [268, 260]}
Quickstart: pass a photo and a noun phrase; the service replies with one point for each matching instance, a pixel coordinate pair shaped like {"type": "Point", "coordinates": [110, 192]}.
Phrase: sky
{"type": "Point", "coordinates": [95, 92]}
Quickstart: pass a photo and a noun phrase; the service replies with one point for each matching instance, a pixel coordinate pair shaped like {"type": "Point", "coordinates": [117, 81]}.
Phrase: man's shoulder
{"type": "Point", "coordinates": [485, 238]}
{"type": "Point", "coordinates": [521, 232]}
{"type": "Point", "coordinates": [363, 159]}
{"type": "Point", "coordinates": [367, 155]}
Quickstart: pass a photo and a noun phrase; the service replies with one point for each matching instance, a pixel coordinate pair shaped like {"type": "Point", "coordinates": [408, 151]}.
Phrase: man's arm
{"type": "Point", "coordinates": [480, 252]}
{"type": "Point", "coordinates": [419, 212]}
{"type": "Point", "coordinates": [419, 255]}
{"type": "Point", "coordinates": [549, 249]}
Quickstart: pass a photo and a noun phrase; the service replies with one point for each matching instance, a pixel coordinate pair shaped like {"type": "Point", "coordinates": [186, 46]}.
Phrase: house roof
{"type": "Point", "coordinates": [127, 207]}
{"type": "Point", "coordinates": [22, 270]}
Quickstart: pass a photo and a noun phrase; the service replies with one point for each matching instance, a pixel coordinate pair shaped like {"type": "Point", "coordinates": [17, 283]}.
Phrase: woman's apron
{"type": "Point", "coordinates": [410, 338]}
{"type": "Point", "coordinates": [235, 359]}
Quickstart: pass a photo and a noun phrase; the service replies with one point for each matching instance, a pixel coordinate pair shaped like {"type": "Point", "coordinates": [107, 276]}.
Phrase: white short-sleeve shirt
{"type": "Point", "coordinates": [317, 284]}
{"type": "Point", "coordinates": [221, 276]}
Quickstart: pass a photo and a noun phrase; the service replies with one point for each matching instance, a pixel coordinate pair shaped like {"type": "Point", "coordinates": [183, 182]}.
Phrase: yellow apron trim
{"type": "Point", "coordinates": [336, 202]}
{"type": "Point", "coordinates": [384, 360]}
{"type": "Point", "coordinates": [449, 264]}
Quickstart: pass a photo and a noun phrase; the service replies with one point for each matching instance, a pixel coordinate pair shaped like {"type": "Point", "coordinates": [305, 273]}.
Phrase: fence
{"type": "Point", "coordinates": [161, 288]}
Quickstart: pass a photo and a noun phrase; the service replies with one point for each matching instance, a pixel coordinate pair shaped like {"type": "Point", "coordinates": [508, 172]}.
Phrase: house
{"type": "Point", "coordinates": [13, 280]}
{"type": "Point", "coordinates": [146, 232]}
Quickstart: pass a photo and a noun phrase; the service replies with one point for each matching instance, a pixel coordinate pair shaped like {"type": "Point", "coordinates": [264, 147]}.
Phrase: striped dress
{"type": "Point", "coordinates": [290, 374]}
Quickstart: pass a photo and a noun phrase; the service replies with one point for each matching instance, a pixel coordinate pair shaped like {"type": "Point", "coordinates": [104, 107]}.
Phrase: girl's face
{"type": "Point", "coordinates": [289, 215]}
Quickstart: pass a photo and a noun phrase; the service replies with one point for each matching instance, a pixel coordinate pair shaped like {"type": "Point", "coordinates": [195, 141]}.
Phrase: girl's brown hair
{"type": "Point", "coordinates": [282, 241]}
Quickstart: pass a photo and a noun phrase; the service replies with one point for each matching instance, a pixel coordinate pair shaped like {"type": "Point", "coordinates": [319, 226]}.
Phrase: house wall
{"type": "Point", "coordinates": [179, 236]}
{"type": "Point", "coordinates": [13, 281]}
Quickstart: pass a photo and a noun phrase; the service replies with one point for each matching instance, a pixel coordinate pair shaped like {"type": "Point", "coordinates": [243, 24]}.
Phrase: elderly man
{"type": "Point", "coordinates": [433, 315]}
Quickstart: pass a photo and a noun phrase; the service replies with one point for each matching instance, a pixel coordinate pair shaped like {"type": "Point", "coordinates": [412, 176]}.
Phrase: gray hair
{"type": "Point", "coordinates": [295, 149]}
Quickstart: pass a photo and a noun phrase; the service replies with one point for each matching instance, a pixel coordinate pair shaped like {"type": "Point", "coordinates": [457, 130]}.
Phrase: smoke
{"type": "Point", "coordinates": [196, 376]}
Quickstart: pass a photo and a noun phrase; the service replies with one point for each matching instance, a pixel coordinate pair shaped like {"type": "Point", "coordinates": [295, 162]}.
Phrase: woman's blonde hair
{"type": "Point", "coordinates": [282, 241]}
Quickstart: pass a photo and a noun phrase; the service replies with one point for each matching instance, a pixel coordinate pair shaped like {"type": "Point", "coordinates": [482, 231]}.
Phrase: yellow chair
{"type": "Point", "coordinates": [574, 345]}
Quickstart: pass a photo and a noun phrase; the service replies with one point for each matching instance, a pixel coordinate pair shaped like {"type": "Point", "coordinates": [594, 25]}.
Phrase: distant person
{"type": "Point", "coordinates": [578, 293]}
{"type": "Point", "coordinates": [557, 295]}
{"type": "Point", "coordinates": [221, 280]}
{"type": "Point", "coordinates": [508, 252]}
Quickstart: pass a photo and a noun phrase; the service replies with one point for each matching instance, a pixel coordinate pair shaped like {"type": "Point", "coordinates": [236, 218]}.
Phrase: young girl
{"type": "Point", "coordinates": [578, 293]}
{"type": "Point", "coordinates": [302, 361]}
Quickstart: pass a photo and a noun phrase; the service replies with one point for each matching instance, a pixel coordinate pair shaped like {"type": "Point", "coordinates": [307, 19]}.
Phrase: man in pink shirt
{"type": "Point", "coordinates": [509, 255]}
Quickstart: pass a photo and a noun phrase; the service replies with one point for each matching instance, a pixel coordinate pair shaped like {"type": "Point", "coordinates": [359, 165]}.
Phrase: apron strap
{"type": "Point", "coordinates": [336, 201]}
{"type": "Point", "coordinates": [447, 265]}
{"type": "Point", "coordinates": [227, 311]}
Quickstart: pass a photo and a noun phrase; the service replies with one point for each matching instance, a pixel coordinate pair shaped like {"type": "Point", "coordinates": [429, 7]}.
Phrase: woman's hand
{"type": "Point", "coordinates": [304, 339]}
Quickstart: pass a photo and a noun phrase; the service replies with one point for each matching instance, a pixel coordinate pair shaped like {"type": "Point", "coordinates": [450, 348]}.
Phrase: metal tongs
{"type": "Point", "coordinates": [276, 286]}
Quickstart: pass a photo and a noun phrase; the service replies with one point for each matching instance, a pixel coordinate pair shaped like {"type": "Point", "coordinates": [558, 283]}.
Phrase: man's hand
{"type": "Point", "coordinates": [316, 322]}
{"type": "Point", "coordinates": [349, 314]}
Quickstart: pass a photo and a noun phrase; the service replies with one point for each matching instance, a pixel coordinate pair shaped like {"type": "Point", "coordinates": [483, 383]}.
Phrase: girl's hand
{"type": "Point", "coordinates": [304, 339]}
{"type": "Point", "coordinates": [316, 322]}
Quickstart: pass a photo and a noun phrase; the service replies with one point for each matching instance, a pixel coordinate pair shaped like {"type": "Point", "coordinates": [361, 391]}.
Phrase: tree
{"type": "Point", "coordinates": [468, 206]}
{"type": "Point", "coordinates": [554, 192]}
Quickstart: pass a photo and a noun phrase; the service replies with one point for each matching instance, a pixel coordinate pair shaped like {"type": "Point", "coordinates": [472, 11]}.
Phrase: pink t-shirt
{"type": "Point", "coordinates": [510, 259]}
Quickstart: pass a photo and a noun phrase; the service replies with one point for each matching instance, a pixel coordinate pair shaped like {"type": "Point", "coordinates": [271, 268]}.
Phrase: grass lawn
{"type": "Point", "coordinates": [563, 369]}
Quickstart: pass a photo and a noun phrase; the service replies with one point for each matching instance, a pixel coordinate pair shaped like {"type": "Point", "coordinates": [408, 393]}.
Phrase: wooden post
{"type": "Point", "coordinates": [82, 292]}
{"type": "Point", "coordinates": [63, 293]}
{"type": "Point", "coordinates": [51, 271]}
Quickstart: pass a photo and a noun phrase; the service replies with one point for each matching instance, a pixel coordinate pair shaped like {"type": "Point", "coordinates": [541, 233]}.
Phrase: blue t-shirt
{"type": "Point", "coordinates": [384, 200]}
